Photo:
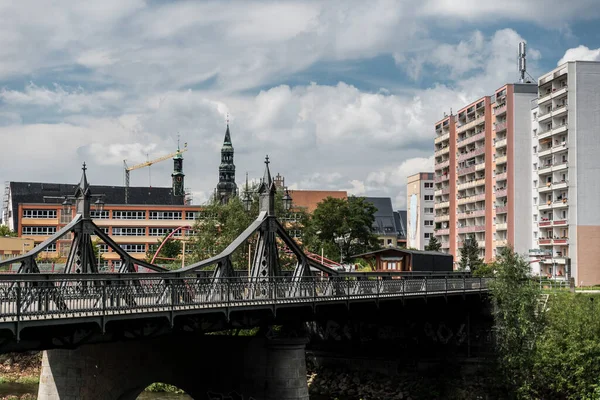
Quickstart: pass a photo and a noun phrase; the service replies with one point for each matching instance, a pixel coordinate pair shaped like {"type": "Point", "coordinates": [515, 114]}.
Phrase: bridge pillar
{"type": "Point", "coordinates": [206, 367]}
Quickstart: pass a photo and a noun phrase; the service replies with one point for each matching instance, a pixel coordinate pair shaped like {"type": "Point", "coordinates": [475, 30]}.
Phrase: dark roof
{"type": "Point", "coordinates": [384, 216]}
{"type": "Point", "coordinates": [402, 250]}
{"type": "Point", "coordinates": [34, 192]}
{"type": "Point", "coordinates": [400, 221]}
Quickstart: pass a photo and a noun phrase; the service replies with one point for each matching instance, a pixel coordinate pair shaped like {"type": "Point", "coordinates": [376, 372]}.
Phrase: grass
{"type": "Point", "coordinates": [25, 380]}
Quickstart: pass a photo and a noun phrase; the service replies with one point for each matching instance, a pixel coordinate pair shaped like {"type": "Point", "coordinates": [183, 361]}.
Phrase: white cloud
{"type": "Point", "coordinates": [580, 53]}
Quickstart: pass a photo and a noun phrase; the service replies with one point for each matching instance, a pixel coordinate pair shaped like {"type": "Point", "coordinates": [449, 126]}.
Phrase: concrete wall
{"type": "Point", "coordinates": [416, 186]}
{"type": "Point", "coordinates": [203, 366]}
{"type": "Point", "coordinates": [523, 174]}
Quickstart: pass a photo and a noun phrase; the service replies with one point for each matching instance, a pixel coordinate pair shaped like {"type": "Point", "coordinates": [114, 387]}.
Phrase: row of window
{"type": "Point", "coordinates": [39, 230]}
{"type": "Point", "coordinates": [39, 213]}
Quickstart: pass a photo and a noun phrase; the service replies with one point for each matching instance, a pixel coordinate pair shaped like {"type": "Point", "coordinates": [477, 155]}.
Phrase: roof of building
{"type": "Point", "coordinates": [401, 250]}
{"type": "Point", "coordinates": [384, 223]}
{"type": "Point", "coordinates": [34, 192]}
{"type": "Point", "coordinates": [309, 199]}
{"type": "Point", "coordinates": [400, 221]}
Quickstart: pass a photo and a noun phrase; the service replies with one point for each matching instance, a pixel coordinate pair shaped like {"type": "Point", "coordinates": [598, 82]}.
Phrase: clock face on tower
{"type": "Point", "coordinates": [178, 179]}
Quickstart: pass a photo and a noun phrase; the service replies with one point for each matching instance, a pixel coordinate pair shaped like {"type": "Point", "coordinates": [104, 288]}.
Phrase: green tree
{"type": "Point", "coordinates": [469, 255]}
{"type": "Point", "coordinates": [170, 250]}
{"type": "Point", "coordinates": [221, 224]}
{"type": "Point", "coordinates": [5, 231]}
{"type": "Point", "coordinates": [350, 218]}
{"type": "Point", "coordinates": [434, 244]}
{"type": "Point", "coordinates": [518, 322]}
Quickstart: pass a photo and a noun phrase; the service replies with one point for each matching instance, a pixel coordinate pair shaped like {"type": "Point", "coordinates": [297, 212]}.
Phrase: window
{"type": "Point", "coordinates": [163, 232]}
{"type": "Point", "coordinates": [535, 235]}
{"type": "Point", "coordinates": [134, 248]}
{"type": "Point", "coordinates": [51, 248]}
{"type": "Point", "coordinates": [534, 217]}
{"type": "Point", "coordinates": [428, 197]}
{"type": "Point", "coordinates": [39, 230]}
{"type": "Point", "coordinates": [39, 213]}
{"type": "Point", "coordinates": [192, 215]}
{"type": "Point", "coordinates": [428, 210]}
{"type": "Point", "coordinates": [129, 214]}
{"type": "Point", "coordinates": [428, 222]}
{"type": "Point", "coordinates": [534, 149]}
{"type": "Point", "coordinates": [165, 214]}
{"type": "Point", "coordinates": [534, 116]}
{"type": "Point", "coordinates": [428, 185]}
{"type": "Point", "coordinates": [102, 248]}
{"type": "Point", "coordinates": [129, 231]}
{"type": "Point", "coordinates": [99, 214]}
{"type": "Point", "coordinates": [428, 235]}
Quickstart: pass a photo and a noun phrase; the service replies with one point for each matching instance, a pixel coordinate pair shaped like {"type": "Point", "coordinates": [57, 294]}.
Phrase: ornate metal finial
{"type": "Point", "coordinates": [267, 160]}
{"type": "Point", "coordinates": [84, 168]}
{"type": "Point", "coordinates": [227, 119]}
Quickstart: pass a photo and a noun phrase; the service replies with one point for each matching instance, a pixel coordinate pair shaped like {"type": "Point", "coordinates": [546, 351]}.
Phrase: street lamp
{"type": "Point", "coordinates": [287, 200]}
{"type": "Point", "coordinates": [341, 241]}
{"type": "Point", "coordinates": [99, 205]}
{"type": "Point", "coordinates": [66, 206]}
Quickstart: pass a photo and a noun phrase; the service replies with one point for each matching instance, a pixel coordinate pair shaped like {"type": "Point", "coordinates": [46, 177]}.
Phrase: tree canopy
{"type": "Point", "coordinates": [434, 244]}
{"type": "Point", "coordinates": [469, 255]}
{"type": "Point", "coordinates": [168, 254]}
{"type": "Point", "coordinates": [350, 218]}
{"type": "Point", "coordinates": [5, 231]}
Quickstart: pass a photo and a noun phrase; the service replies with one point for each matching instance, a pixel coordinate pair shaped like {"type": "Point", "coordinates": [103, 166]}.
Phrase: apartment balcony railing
{"type": "Point", "coordinates": [500, 126]}
{"type": "Point", "coordinates": [542, 117]}
{"type": "Point", "coordinates": [442, 232]}
{"type": "Point", "coordinates": [442, 151]}
{"type": "Point", "coordinates": [559, 91]}
{"type": "Point", "coordinates": [442, 218]}
{"type": "Point", "coordinates": [445, 245]}
{"type": "Point", "coordinates": [501, 193]}
{"type": "Point", "coordinates": [470, 124]}
{"type": "Point", "coordinates": [500, 143]}
{"type": "Point", "coordinates": [559, 109]}
{"type": "Point", "coordinates": [560, 128]}
{"type": "Point", "coordinates": [472, 153]}
{"type": "Point", "coordinates": [560, 203]}
{"type": "Point", "coordinates": [471, 184]}
{"type": "Point", "coordinates": [467, 170]}
{"type": "Point", "coordinates": [545, 151]}
{"type": "Point", "coordinates": [471, 139]}
{"type": "Point", "coordinates": [560, 241]}
{"type": "Point", "coordinates": [501, 177]}
{"type": "Point", "coordinates": [471, 214]}
{"type": "Point", "coordinates": [442, 165]}
{"type": "Point", "coordinates": [562, 184]}
{"type": "Point", "coordinates": [551, 241]}
{"type": "Point", "coordinates": [501, 209]}
{"type": "Point", "coordinates": [438, 192]}
{"type": "Point", "coordinates": [443, 204]}
{"type": "Point", "coordinates": [471, 199]}
{"type": "Point", "coordinates": [560, 146]}
{"type": "Point", "coordinates": [500, 110]}
{"type": "Point", "coordinates": [501, 160]}
{"type": "Point", "coordinates": [544, 97]}
{"type": "Point", "coordinates": [471, 229]}
{"type": "Point", "coordinates": [442, 138]}
{"type": "Point", "coordinates": [545, 223]}
{"type": "Point", "coordinates": [560, 222]}
{"type": "Point", "coordinates": [441, 178]}
{"type": "Point", "coordinates": [501, 243]}
{"type": "Point", "coordinates": [501, 226]}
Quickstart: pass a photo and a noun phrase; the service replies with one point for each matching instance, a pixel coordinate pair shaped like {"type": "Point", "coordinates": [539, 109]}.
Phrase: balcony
{"type": "Point", "coordinates": [560, 185]}
{"type": "Point", "coordinates": [500, 126]}
{"type": "Point", "coordinates": [501, 243]}
{"type": "Point", "coordinates": [545, 223]}
{"type": "Point", "coordinates": [544, 134]}
{"type": "Point", "coordinates": [471, 139]}
{"type": "Point", "coordinates": [470, 154]}
{"type": "Point", "coordinates": [545, 116]}
{"type": "Point", "coordinates": [471, 214]}
{"type": "Point", "coordinates": [471, 124]}
{"type": "Point", "coordinates": [441, 178]}
{"type": "Point", "coordinates": [545, 169]}
{"type": "Point", "coordinates": [471, 229]}
{"type": "Point", "coordinates": [560, 166]}
{"type": "Point", "coordinates": [471, 199]}
{"type": "Point", "coordinates": [442, 151]}
{"type": "Point", "coordinates": [500, 143]}
{"type": "Point", "coordinates": [561, 203]}
{"type": "Point", "coordinates": [559, 91]}
{"type": "Point", "coordinates": [560, 129]}
{"type": "Point", "coordinates": [466, 170]}
{"type": "Point", "coordinates": [560, 241]}
{"type": "Point", "coordinates": [442, 232]}
{"type": "Point", "coordinates": [501, 210]}
{"type": "Point", "coordinates": [501, 160]}
{"type": "Point", "coordinates": [560, 222]}
{"type": "Point", "coordinates": [545, 188]}
{"type": "Point", "coordinates": [561, 146]}
{"type": "Point", "coordinates": [500, 110]}
{"type": "Point", "coordinates": [546, 206]}
{"type": "Point", "coordinates": [442, 218]}
{"type": "Point", "coordinates": [443, 204]}
{"type": "Point", "coordinates": [502, 226]}
{"type": "Point", "coordinates": [559, 110]}
{"type": "Point", "coordinates": [545, 151]}
{"type": "Point", "coordinates": [445, 245]}
{"type": "Point", "coordinates": [544, 97]}
{"type": "Point", "coordinates": [471, 184]}
{"type": "Point", "coordinates": [442, 165]}
{"type": "Point", "coordinates": [542, 242]}
{"type": "Point", "coordinates": [501, 177]}
{"type": "Point", "coordinates": [438, 192]}
{"type": "Point", "coordinates": [501, 193]}
{"type": "Point", "coordinates": [442, 138]}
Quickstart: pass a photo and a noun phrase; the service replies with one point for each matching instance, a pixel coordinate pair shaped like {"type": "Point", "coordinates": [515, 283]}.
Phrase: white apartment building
{"type": "Point", "coordinates": [566, 185]}
{"type": "Point", "coordinates": [420, 209]}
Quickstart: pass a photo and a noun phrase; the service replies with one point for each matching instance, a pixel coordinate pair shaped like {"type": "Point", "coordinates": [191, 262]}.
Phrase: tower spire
{"type": "Point", "coordinates": [226, 188]}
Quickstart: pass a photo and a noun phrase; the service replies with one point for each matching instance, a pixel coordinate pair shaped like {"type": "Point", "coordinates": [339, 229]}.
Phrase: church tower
{"type": "Point", "coordinates": [226, 188]}
{"type": "Point", "coordinates": [178, 175]}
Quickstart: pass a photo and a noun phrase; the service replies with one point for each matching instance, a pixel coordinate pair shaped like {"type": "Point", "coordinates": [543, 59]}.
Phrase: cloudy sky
{"type": "Point", "coordinates": [339, 94]}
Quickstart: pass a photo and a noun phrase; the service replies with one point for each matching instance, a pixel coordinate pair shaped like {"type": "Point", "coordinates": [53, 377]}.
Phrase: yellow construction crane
{"type": "Point", "coordinates": [147, 164]}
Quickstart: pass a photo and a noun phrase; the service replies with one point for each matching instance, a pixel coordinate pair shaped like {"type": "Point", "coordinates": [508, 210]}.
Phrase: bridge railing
{"type": "Point", "coordinates": [31, 299]}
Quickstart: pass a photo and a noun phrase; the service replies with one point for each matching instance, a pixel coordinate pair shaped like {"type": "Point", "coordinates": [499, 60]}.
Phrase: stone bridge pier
{"type": "Point", "coordinates": [206, 367]}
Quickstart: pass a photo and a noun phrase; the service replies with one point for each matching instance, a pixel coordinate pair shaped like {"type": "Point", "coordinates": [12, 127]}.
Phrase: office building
{"type": "Point", "coordinates": [420, 209]}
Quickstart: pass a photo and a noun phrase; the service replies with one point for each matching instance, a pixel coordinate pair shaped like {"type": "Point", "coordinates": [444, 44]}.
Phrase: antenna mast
{"type": "Point", "coordinates": [521, 62]}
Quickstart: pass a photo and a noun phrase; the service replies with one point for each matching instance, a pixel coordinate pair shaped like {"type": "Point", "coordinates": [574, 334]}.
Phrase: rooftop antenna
{"type": "Point", "coordinates": [522, 62]}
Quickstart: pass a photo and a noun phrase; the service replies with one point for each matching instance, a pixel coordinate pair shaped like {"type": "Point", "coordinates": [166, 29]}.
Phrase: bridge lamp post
{"type": "Point", "coordinates": [287, 200]}
{"type": "Point", "coordinates": [341, 241]}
